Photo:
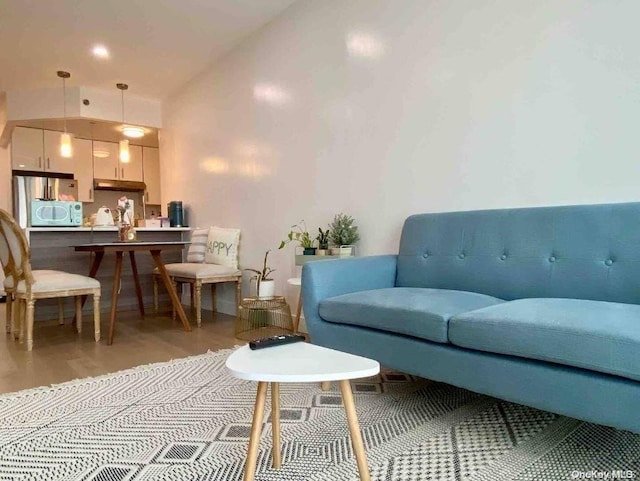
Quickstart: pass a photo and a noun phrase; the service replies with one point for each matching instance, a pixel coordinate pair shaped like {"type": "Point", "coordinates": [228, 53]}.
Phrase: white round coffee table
{"type": "Point", "coordinates": [299, 362]}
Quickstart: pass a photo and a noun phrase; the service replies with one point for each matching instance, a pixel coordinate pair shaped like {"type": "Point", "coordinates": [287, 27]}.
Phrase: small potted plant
{"type": "Point", "coordinates": [323, 242]}
{"type": "Point", "coordinates": [299, 233]}
{"type": "Point", "coordinates": [343, 234]}
{"type": "Point", "coordinates": [265, 285]}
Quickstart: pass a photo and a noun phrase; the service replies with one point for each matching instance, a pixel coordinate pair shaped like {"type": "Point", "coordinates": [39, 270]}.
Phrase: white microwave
{"type": "Point", "coordinates": [56, 213]}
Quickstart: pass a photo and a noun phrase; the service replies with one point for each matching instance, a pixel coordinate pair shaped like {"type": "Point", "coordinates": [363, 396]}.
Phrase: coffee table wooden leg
{"type": "Point", "coordinates": [162, 270]}
{"type": "Point", "coordinates": [275, 424]}
{"type": "Point", "coordinates": [134, 270]}
{"type": "Point", "coordinates": [114, 296]}
{"type": "Point", "coordinates": [298, 312]}
{"type": "Point", "coordinates": [354, 430]}
{"type": "Point", "coordinates": [256, 429]}
{"type": "Point", "coordinates": [325, 385]}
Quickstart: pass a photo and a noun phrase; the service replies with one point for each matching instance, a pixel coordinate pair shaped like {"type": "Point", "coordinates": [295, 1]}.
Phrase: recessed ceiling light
{"type": "Point", "coordinates": [100, 51]}
{"type": "Point", "coordinates": [133, 132]}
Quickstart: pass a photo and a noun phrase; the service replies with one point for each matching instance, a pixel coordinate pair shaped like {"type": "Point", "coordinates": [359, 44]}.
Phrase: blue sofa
{"type": "Point", "coordinates": [538, 306]}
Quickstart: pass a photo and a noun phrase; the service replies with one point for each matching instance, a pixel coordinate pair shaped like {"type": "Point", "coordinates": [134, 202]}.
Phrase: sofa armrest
{"type": "Point", "coordinates": [324, 279]}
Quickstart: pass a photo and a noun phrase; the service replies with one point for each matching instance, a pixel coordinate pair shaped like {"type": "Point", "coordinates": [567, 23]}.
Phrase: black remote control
{"type": "Point", "coordinates": [275, 341]}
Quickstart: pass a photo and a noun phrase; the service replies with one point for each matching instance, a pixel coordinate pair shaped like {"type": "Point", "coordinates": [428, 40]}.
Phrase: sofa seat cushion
{"type": "Point", "coordinates": [413, 311]}
{"type": "Point", "coordinates": [195, 270]}
{"type": "Point", "coordinates": [595, 335]}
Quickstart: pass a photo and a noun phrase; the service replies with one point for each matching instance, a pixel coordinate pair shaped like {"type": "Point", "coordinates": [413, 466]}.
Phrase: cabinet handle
{"type": "Point", "coordinates": [48, 163]}
{"type": "Point", "coordinates": [115, 172]}
{"type": "Point", "coordinates": [122, 170]}
{"type": "Point", "coordinates": [39, 162]}
{"type": "Point", "coordinates": [147, 194]}
{"type": "Point", "coordinates": [91, 194]}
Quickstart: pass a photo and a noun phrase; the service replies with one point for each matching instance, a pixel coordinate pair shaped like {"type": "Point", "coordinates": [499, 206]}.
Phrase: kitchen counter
{"type": "Point", "coordinates": [104, 228]}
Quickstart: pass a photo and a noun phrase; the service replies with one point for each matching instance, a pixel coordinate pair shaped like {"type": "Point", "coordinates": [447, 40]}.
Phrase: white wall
{"type": "Point", "coordinates": [386, 108]}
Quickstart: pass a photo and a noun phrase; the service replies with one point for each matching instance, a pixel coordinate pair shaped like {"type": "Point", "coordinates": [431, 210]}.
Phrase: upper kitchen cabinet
{"type": "Point", "coordinates": [27, 149]}
{"type": "Point", "coordinates": [132, 170]}
{"type": "Point", "coordinates": [151, 170]}
{"type": "Point", "coordinates": [52, 160]}
{"type": "Point", "coordinates": [83, 162]}
{"type": "Point", "coordinates": [39, 150]}
{"type": "Point", "coordinates": [105, 160]}
{"type": "Point", "coordinates": [106, 164]}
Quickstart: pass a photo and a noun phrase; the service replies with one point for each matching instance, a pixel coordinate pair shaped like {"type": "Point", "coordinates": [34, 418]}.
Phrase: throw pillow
{"type": "Point", "coordinates": [222, 247]}
{"type": "Point", "coordinates": [197, 246]}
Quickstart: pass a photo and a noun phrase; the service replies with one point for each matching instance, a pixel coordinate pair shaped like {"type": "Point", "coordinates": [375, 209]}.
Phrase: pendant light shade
{"type": "Point", "coordinates": [66, 147]}
{"type": "Point", "coordinates": [124, 151]}
{"type": "Point", "coordinates": [124, 143]}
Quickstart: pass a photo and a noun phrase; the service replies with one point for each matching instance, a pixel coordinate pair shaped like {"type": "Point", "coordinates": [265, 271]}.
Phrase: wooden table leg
{"type": "Point", "coordinates": [92, 273]}
{"type": "Point", "coordinates": [172, 292]}
{"type": "Point", "coordinates": [134, 269]}
{"type": "Point", "coordinates": [275, 424]}
{"type": "Point", "coordinates": [256, 429]}
{"type": "Point", "coordinates": [114, 295]}
{"type": "Point", "coordinates": [354, 430]}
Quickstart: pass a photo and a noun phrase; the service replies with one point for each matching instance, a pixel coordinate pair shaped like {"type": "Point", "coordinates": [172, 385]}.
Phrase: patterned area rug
{"type": "Point", "coordinates": [189, 420]}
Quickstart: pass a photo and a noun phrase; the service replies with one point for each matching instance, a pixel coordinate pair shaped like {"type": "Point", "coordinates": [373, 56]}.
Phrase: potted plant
{"type": "Point", "coordinates": [299, 233]}
{"type": "Point", "coordinates": [323, 242]}
{"type": "Point", "coordinates": [265, 286]}
{"type": "Point", "coordinates": [343, 233]}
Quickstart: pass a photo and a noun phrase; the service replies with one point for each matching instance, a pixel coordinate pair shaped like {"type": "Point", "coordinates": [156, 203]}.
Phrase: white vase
{"type": "Point", "coordinates": [341, 251]}
{"type": "Point", "coordinates": [267, 289]}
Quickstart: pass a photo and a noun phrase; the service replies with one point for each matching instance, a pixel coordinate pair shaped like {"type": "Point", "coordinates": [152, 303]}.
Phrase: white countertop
{"type": "Point", "coordinates": [104, 229]}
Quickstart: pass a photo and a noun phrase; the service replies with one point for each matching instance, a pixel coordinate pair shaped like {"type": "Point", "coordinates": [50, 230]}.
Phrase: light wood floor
{"type": "Point", "coordinates": [60, 355]}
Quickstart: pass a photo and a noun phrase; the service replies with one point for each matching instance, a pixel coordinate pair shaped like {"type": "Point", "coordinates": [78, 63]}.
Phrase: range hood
{"type": "Point", "coordinates": [120, 185]}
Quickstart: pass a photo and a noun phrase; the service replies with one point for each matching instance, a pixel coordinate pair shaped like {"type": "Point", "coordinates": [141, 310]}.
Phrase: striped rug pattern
{"type": "Point", "coordinates": [189, 419]}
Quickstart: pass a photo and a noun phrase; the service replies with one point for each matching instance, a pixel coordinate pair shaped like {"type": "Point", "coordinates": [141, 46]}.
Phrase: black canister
{"type": "Point", "coordinates": [176, 213]}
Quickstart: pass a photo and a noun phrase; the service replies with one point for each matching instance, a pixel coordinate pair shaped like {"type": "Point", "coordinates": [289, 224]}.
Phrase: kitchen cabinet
{"type": "Point", "coordinates": [83, 169]}
{"type": "Point", "coordinates": [106, 164]}
{"type": "Point", "coordinates": [39, 150]}
{"type": "Point", "coordinates": [27, 149]}
{"type": "Point", "coordinates": [151, 172]}
{"type": "Point", "coordinates": [132, 170]}
{"type": "Point", "coordinates": [52, 160]}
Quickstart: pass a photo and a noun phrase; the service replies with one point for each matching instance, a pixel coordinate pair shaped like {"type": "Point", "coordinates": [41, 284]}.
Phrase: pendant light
{"type": "Point", "coordinates": [124, 143]}
{"type": "Point", "coordinates": [66, 148]}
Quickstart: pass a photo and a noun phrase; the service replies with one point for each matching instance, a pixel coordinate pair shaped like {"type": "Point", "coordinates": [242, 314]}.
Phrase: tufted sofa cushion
{"type": "Point", "coordinates": [583, 252]}
{"type": "Point", "coordinates": [601, 336]}
{"type": "Point", "coordinates": [422, 313]}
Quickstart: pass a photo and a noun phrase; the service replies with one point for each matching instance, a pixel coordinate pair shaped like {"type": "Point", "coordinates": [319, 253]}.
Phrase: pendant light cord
{"type": "Point", "coordinates": [64, 103]}
{"type": "Point", "coordinates": [122, 96]}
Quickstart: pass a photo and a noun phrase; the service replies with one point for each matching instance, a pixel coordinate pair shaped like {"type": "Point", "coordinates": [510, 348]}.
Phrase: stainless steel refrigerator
{"type": "Point", "coordinates": [27, 188]}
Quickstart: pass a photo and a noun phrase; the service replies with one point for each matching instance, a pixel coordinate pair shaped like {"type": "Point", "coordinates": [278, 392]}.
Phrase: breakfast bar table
{"type": "Point", "coordinates": [154, 248]}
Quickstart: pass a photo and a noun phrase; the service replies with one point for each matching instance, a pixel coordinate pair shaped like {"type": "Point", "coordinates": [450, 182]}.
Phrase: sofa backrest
{"type": "Point", "coordinates": [583, 252]}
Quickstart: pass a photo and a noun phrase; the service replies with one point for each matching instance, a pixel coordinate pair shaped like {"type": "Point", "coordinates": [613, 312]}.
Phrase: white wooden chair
{"type": "Point", "coordinates": [27, 286]}
{"type": "Point", "coordinates": [196, 273]}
